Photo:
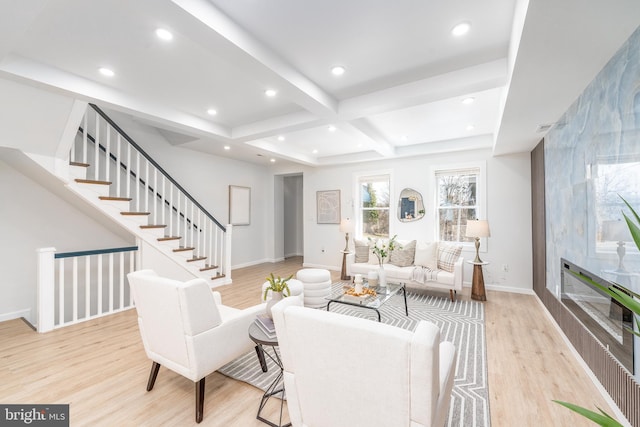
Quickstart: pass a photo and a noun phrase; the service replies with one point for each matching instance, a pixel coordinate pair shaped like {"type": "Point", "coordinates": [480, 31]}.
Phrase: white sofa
{"type": "Point", "coordinates": [436, 278]}
{"type": "Point", "coordinates": [344, 371]}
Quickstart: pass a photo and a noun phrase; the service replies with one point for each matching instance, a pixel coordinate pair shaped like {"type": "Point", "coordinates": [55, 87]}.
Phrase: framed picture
{"type": "Point", "coordinates": [328, 206]}
{"type": "Point", "coordinates": [239, 205]}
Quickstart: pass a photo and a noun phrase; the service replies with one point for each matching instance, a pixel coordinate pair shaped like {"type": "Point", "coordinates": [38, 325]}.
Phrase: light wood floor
{"type": "Point", "coordinates": [100, 368]}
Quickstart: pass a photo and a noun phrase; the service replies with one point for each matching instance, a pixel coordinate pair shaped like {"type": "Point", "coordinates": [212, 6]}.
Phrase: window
{"type": "Point", "coordinates": [457, 201]}
{"type": "Point", "coordinates": [373, 206]}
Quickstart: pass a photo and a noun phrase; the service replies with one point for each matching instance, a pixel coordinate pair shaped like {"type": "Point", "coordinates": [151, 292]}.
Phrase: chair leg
{"type": "Point", "coordinates": [199, 400]}
{"type": "Point", "coordinates": [451, 295]}
{"type": "Point", "coordinates": [155, 367]}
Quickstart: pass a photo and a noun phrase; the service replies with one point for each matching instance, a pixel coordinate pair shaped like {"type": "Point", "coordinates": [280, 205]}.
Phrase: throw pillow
{"type": "Point", "coordinates": [427, 255]}
{"type": "Point", "coordinates": [362, 250]}
{"type": "Point", "coordinates": [403, 257]}
{"type": "Point", "coordinates": [447, 256]}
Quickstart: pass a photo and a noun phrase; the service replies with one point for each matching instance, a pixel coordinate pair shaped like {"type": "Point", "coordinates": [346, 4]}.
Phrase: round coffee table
{"type": "Point", "coordinates": [260, 338]}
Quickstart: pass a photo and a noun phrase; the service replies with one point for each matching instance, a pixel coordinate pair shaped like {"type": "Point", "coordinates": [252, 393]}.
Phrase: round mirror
{"type": "Point", "coordinates": [410, 206]}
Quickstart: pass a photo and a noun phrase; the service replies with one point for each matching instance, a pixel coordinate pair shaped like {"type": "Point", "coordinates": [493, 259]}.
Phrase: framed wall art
{"type": "Point", "coordinates": [239, 205]}
{"type": "Point", "coordinates": [328, 206]}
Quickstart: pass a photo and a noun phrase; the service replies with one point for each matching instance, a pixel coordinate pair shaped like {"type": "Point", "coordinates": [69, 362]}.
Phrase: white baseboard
{"type": "Point", "coordinates": [603, 392]}
{"type": "Point", "coordinates": [26, 313]}
{"type": "Point", "coordinates": [293, 254]}
{"type": "Point", "coordinates": [252, 263]}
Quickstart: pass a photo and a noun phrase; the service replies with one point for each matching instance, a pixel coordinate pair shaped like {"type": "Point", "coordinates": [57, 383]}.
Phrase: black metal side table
{"type": "Point", "coordinates": [276, 387]}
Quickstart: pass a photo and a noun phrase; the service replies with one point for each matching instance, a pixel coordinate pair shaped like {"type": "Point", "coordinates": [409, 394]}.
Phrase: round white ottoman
{"type": "Point", "coordinates": [295, 287]}
{"type": "Point", "coordinates": [317, 286]}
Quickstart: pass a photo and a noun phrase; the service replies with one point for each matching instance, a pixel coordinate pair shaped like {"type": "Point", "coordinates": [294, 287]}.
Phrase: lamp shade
{"type": "Point", "coordinates": [346, 226]}
{"type": "Point", "coordinates": [615, 231]}
{"type": "Point", "coordinates": [478, 228]}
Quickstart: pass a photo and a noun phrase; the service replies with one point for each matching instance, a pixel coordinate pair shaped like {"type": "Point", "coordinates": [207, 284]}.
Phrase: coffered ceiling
{"type": "Point", "coordinates": [522, 63]}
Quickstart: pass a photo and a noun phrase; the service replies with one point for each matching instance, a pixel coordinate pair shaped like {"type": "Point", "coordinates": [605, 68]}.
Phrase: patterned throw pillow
{"type": "Point", "coordinates": [403, 257]}
{"type": "Point", "coordinates": [362, 250]}
{"type": "Point", "coordinates": [447, 256]}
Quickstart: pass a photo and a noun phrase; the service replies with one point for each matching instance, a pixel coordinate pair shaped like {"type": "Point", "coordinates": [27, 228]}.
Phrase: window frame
{"type": "Point", "coordinates": [361, 177]}
{"type": "Point", "coordinates": [481, 197]}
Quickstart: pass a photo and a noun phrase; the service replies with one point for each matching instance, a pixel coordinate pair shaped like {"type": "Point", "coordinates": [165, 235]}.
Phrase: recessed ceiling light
{"type": "Point", "coordinates": [280, 138]}
{"type": "Point", "coordinates": [468, 100]}
{"type": "Point", "coordinates": [471, 127]}
{"type": "Point", "coordinates": [164, 34]}
{"type": "Point", "coordinates": [226, 147]}
{"type": "Point", "coordinates": [211, 112]}
{"type": "Point", "coordinates": [106, 72]}
{"type": "Point", "coordinates": [272, 160]}
{"type": "Point", "coordinates": [338, 70]}
{"type": "Point", "coordinates": [270, 93]}
{"type": "Point", "coordinates": [461, 29]}
{"type": "Point", "coordinates": [331, 128]}
{"type": "Point", "coordinates": [315, 151]}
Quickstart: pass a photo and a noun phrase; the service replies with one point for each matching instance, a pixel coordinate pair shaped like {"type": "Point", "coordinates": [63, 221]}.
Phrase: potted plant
{"type": "Point", "coordinates": [382, 250]}
{"type": "Point", "coordinates": [628, 299]}
{"type": "Point", "coordinates": [279, 289]}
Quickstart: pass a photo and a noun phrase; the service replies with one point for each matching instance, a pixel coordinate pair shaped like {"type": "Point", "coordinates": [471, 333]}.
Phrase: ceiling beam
{"type": "Point", "coordinates": [265, 62]}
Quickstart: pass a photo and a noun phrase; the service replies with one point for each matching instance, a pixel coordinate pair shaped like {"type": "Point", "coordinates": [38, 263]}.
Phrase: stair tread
{"type": "Point", "coordinates": [165, 238]}
{"type": "Point", "coordinates": [84, 165]}
{"type": "Point", "coordinates": [135, 213]}
{"type": "Point", "coordinates": [219, 276]}
{"type": "Point", "coordinates": [196, 258]}
{"type": "Point", "coordinates": [153, 226]}
{"type": "Point", "coordinates": [183, 248]}
{"type": "Point", "coordinates": [92, 181]}
{"type": "Point", "coordinates": [208, 267]}
{"type": "Point", "coordinates": [117, 199]}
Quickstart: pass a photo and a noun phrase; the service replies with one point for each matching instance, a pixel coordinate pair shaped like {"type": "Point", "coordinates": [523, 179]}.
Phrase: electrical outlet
{"type": "Point", "coordinates": [505, 267]}
{"type": "Point", "coordinates": [322, 249]}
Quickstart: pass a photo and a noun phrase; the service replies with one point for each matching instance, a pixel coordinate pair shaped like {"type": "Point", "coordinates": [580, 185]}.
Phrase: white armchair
{"type": "Point", "coordinates": [185, 328]}
{"type": "Point", "coordinates": [346, 371]}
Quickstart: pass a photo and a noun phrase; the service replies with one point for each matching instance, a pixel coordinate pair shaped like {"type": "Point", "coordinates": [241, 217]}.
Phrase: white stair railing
{"type": "Point", "coordinates": [75, 287]}
{"type": "Point", "coordinates": [111, 155]}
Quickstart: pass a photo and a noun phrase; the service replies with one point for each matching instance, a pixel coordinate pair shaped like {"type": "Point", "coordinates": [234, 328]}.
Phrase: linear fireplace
{"type": "Point", "coordinates": [604, 317]}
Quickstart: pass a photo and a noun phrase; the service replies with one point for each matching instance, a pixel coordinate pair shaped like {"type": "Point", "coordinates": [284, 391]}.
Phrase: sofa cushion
{"type": "Point", "coordinates": [447, 256]}
{"type": "Point", "coordinates": [427, 255]}
{"type": "Point", "coordinates": [394, 272]}
{"type": "Point", "coordinates": [362, 250]}
{"type": "Point", "coordinates": [403, 257]}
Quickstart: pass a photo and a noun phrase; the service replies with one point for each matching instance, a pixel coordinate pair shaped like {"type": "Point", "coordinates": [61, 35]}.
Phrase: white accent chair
{"type": "Point", "coordinates": [346, 371]}
{"type": "Point", "coordinates": [185, 328]}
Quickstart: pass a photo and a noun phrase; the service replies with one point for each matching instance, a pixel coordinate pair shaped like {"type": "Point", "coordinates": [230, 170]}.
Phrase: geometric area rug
{"type": "Point", "coordinates": [461, 322]}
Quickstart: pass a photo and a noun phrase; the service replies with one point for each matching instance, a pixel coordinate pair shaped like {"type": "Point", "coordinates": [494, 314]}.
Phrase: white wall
{"type": "Point", "coordinates": [33, 216]}
{"type": "Point", "coordinates": [508, 211]}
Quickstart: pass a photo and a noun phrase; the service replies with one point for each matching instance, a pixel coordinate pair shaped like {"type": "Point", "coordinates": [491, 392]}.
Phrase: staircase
{"type": "Point", "coordinates": [114, 174]}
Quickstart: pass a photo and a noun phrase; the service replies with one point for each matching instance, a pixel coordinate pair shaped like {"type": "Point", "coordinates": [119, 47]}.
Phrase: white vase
{"type": "Point", "coordinates": [382, 277]}
{"type": "Point", "coordinates": [275, 297]}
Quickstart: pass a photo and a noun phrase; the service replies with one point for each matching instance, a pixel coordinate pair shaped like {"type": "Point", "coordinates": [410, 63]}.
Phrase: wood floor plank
{"type": "Point", "coordinates": [100, 368]}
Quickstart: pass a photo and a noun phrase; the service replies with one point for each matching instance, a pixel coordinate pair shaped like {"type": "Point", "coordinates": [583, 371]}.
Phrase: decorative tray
{"type": "Point", "coordinates": [351, 295]}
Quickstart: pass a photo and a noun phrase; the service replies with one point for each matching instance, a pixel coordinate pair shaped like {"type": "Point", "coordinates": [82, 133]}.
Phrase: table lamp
{"type": "Point", "coordinates": [478, 228]}
{"type": "Point", "coordinates": [346, 226]}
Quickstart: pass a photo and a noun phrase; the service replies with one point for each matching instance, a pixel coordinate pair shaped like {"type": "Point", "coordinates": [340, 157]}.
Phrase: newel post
{"type": "Point", "coordinates": [227, 252]}
{"type": "Point", "coordinates": [46, 289]}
